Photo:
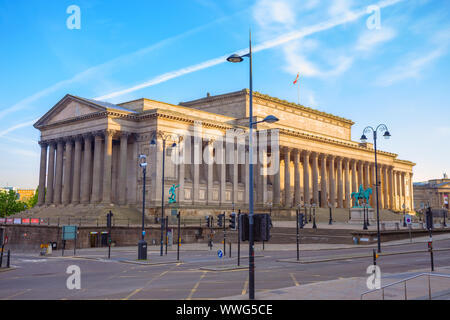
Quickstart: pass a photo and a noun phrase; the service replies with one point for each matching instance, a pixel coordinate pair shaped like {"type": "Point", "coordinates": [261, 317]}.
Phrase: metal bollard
{"type": "Point", "coordinates": [8, 259]}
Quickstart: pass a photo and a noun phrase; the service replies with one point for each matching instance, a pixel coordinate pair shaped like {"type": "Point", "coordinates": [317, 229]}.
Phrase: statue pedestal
{"type": "Point", "coordinates": [357, 216]}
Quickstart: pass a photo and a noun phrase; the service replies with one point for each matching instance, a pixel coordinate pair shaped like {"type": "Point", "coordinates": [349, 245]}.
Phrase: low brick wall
{"type": "Point", "coordinates": [32, 236]}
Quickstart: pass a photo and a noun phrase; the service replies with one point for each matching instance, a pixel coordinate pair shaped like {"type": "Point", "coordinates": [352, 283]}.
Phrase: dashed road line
{"type": "Point", "coordinates": [196, 286]}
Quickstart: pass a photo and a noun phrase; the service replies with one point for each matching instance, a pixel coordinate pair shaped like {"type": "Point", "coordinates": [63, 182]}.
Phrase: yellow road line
{"type": "Point", "coordinates": [295, 280]}
{"type": "Point", "coordinates": [244, 291]}
{"type": "Point", "coordinates": [149, 282]}
{"type": "Point", "coordinates": [17, 294]}
{"type": "Point", "coordinates": [132, 294]}
{"type": "Point", "coordinates": [196, 286]}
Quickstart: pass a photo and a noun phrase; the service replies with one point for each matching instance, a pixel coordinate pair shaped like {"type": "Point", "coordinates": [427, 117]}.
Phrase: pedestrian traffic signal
{"type": "Point", "coordinates": [109, 219]}
{"type": "Point", "coordinates": [429, 218]}
{"type": "Point", "coordinates": [261, 227]}
{"type": "Point", "coordinates": [243, 227]}
{"type": "Point", "coordinates": [301, 220]}
{"type": "Point", "coordinates": [233, 221]}
{"type": "Point", "coordinates": [220, 219]}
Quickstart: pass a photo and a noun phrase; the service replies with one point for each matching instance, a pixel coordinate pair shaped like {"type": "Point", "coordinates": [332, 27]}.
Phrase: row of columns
{"type": "Point", "coordinates": [79, 169]}
{"type": "Point", "coordinates": [332, 182]}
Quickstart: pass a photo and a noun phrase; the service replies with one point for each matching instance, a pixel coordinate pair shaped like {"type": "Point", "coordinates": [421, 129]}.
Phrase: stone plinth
{"type": "Point", "coordinates": [357, 216]}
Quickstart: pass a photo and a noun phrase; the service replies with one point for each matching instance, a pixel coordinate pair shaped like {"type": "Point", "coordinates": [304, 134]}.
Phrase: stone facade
{"type": "Point", "coordinates": [435, 193]}
{"type": "Point", "coordinates": [90, 155]}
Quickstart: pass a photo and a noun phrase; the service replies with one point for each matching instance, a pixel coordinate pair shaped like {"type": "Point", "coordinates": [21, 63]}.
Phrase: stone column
{"type": "Point", "coordinates": [276, 182]}
{"type": "Point", "coordinates": [76, 171]}
{"type": "Point", "coordinates": [380, 187]}
{"type": "Point", "coordinates": [197, 160]}
{"type": "Point", "coordinates": [332, 181]}
{"type": "Point", "coordinates": [411, 191]}
{"type": "Point", "coordinates": [87, 169]}
{"type": "Point", "coordinates": [59, 171]}
{"type": "Point", "coordinates": [42, 174]}
{"type": "Point", "coordinates": [223, 178]}
{"type": "Point", "coordinates": [306, 183]}
{"type": "Point", "coordinates": [297, 194]}
{"type": "Point", "coordinates": [323, 180]}
{"type": "Point", "coordinates": [210, 162]}
{"type": "Point", "coordinates": [122, 185]}
{"type": "Point", "coordinates": [107, 162]}
{"type": "Point", "coordinates": [67, 181]}
{"type": "Point", "coordinates": [181, 172]}
{"type": "Point", "coordinates": [354, 182]}
{"type": "Point", "coordinates": [340, 202]}
{"type": "Point", "coordinates": [315, 178]}
{"type": "Point", "coordinates": [51, 174]}
{"type": "Point", "coordinates": [96, 174]}
{"type": "Point", "coordinates": [391, 188]}
{"type": "Point", "coordinates": [360, 174]}
{"type": "Point", "coordinates": [366, 175]}
{"type": "Point", "coordinates": [373, 185]}
{"type": "Point", "coordinates": [403, 189]}
{"type": "Point", "coordinates": [236, 174]}
{"type": "Point", "coordinates": [247, 178]}
{"type": "Point", "coordinates": [347, 202]}
{"type": "Point", "coordinates": [385, 188]}
{"type": "Point", "coordinates": [287, 178]}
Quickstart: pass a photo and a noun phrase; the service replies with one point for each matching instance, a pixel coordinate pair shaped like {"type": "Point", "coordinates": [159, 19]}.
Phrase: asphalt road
{"type": "Point", "coordinates": [35, 277]}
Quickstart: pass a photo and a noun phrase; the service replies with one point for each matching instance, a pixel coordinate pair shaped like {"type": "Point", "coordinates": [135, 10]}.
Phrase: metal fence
{"type": "Point", "coordinates": [405, 287]}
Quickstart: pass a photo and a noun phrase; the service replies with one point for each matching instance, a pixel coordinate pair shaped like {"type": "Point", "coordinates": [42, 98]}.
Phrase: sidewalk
{"type": "Point", "coordinates": [352, 288]}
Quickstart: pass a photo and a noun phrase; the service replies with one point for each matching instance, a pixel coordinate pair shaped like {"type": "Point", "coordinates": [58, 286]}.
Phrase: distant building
{"type": "Point", "coordinates": [435, 193]}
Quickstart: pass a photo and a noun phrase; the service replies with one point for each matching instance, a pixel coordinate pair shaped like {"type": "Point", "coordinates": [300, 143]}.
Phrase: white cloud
{"type": "Point", "coordinates": [297, 62]}
{"type": "Point", "coordinates": [268, 12]}
{"type": "Point", "coordinates": [17, 126]}
{"type": "Point", "coordinates": [369, 39]}
{"type": "Point", "coordinates": [413, 68]}
{"type": "Point", "coordinates": [342, 65]}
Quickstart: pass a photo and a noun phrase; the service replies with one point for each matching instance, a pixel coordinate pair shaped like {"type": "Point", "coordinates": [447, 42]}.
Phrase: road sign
{"type": "Point", "coordinates": [220, 253]}
{"type": "Point", "coordinates": [69, 232]}
{"type": "Point", "coordinates": [408, 219]}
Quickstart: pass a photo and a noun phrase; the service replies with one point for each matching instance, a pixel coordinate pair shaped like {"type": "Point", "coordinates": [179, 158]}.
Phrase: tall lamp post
{"type": "Point", "coordinates": [164, 138]}
{"type": "Point", "coordinates": [382, 128]}
{"type": "Point", "coordinates": [142, 245]}
{"type": "Point", "coordinates": [235, 58]}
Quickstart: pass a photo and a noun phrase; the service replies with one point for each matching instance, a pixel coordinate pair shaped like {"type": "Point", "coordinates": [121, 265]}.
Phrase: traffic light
{"type": "Point", "coordinates": [261, 227]}
{"type": "Point", "coordinates": [262, 224]}
{"type": "Point", "coordinates": [209, 221]}
{"type": "Point", "coordinates": [233, 221]}
{"type": "Point", "coordinates": [429, 218]}
{"type": "Point", "coordinates": [243, 227]}
{"type": "Point", "coordinates": [301, 220]}
{"type": "Point", "coordinates": [220, 219]}
{"type": "Point", "coordinates": [109, 219]}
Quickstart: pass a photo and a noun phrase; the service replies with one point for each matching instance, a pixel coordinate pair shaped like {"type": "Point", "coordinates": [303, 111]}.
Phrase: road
{"type": "Point", "coordinates": [36, 277]}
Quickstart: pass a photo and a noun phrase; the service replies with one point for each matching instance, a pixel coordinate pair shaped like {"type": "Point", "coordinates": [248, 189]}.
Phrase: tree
{"type": "Point", "coordinates": [33, 200]}
{"type": "Point", "coordinates": [9, 204]}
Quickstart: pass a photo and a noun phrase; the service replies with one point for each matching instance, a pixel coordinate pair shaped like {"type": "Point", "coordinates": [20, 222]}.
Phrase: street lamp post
{"type": "Point", "coordinates": [235, 58]}
{"type": "Point", "coordinates": [164, 138]}
{"type": "Point", "coordinates": [142, 245]}
{"type": "Point", "coordinates": [382, 128]}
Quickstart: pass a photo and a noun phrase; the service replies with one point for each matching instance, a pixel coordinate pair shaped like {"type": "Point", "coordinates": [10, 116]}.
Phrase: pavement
{"type": "Point", "coordinates": [200, 274]}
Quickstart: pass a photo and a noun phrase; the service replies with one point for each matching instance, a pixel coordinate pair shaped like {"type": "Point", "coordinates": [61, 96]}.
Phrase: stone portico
{"type": "Point", "coordinates": [90, 151]}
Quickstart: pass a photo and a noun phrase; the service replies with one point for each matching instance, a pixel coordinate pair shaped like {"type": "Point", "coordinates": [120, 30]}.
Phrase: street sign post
{"type": "Point", "coordinates": [69, 233]}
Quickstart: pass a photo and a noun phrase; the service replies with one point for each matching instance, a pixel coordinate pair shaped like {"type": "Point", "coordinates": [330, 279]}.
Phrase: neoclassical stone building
{"type": "Point", "coordinates": [435, 193]}
{"type": "Point", "coordinates": [90, 155]}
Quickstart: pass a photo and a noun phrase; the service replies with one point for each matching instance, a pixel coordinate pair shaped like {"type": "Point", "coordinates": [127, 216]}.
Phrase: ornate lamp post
{"type": "Point", "coordinates": [164, 138]}
{"type": "Point", "coordinates": [142, 245]}
{"type": "Point", "coordinates": [235, 58]}
{"type": "Point", "coordinates": [382, 128]}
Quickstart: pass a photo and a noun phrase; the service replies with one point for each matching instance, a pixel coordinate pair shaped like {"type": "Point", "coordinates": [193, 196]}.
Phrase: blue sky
{"type": "Point", "coordinates": [171, 51]}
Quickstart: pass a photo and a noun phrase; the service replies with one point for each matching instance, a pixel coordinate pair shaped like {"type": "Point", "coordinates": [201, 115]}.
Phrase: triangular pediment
{"type": "Point", "coordinates": [70, 107]}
